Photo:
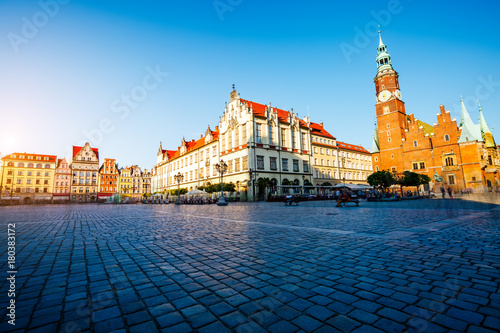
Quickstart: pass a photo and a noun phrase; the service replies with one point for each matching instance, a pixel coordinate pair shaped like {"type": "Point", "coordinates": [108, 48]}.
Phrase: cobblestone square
{"type": "Point", "coordinates": [416, 266]}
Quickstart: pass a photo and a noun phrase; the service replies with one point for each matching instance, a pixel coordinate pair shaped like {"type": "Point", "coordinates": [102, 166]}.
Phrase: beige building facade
{"type": "Point", "coordinates": [85, 174]}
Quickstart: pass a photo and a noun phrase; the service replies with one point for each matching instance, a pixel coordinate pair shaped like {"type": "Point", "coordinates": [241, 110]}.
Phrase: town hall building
{"type": "Point", "coordinates": [453, 154]}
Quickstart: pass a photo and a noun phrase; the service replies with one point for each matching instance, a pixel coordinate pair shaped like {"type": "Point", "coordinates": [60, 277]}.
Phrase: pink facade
{"type": "Point", "coordinates": [62, 180]}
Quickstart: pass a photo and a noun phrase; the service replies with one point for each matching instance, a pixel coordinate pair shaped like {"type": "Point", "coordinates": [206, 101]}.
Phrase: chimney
{"type": "Point", "coordinates": [321, 124]}
{"type": "Point", "coordinates": [216, 128]}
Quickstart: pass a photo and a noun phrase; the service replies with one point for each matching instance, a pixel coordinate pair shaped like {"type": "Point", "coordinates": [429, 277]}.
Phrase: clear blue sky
{"type": "Point", "coordinates": [66, 70]}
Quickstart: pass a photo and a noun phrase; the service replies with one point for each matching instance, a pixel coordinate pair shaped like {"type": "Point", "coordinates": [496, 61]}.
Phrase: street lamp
{"type": "Point", "coordinates": [179, 177]}
{"type": "Point", "coordinates": [253, 178]}
{"type": "Point", "coordinates": [221, 168]}
{"type": "Point", "coordinates": [303, 184]}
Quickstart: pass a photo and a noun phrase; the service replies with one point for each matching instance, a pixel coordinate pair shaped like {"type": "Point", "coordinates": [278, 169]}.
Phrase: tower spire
{"type": "Point", "coordinates": [485, 131]}
{"type": "Point", "coordinates": [469, 129]}
{"type": "Point", "coordinates": [375, 143]}
{"type": "Point", "coordinates": [383, 57]}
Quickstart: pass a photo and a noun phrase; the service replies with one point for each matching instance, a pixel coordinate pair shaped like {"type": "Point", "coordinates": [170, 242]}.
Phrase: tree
{"type": "Point", "coordinates": [176, 191]}
{"type": "Point", "coordinates": [423, 179]}
{"type": "Point", "coordinates": [326, 184]}
{"type": "Point", "coordinates": [264, 183]}
{"type": "Point", "coordinates": [383, 179]}
{"type": "Point", "coordinates": [413, 179]}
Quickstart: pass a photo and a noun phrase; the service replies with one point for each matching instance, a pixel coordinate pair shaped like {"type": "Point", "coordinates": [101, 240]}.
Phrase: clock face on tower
{"type": "Point", "coordinates": [397, 94]}
{"type": "Point", "coordinates": [384, 95]}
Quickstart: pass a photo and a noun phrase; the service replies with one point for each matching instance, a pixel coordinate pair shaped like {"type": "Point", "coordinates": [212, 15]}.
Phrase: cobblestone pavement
{"type": "Point", "coordinates": [416, 266]}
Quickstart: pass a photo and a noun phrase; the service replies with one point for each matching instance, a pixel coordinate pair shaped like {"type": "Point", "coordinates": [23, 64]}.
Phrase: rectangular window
{"type": "Point", "coordinates": [305, 166]}
{"type": "Point", "coordinates": [296, 165]}
{"type": "Point", "coordinates": [283, 137]}
{"type": "Point", "coordinates": [223, 144]}
{"type": "Point", "coordinates": [260, 162]}
{"type": "Point", "coordinates": [244, 162]}
{"type": "Point", "coordinates": [258, 133]}
{"type": "Point", "coordinates": [422, 165]}
{"type": "Point", "coordinates": [294, 144]}
{"type": "Point", "coordinates": [244, 134]}
{"type": "Point", "coordinates": [270, 129]}
{"type": "Point", "coordinates": [214, 151]}
{"type": "Point", "coordinates": [236, 137]}
{"type": "Point", "coordinates": [284, 164]}
{"type": "Point", "coordinates": [230, 166]}
{"type": "Point", "coordinates": [304, 145]}
{"type": "Point", "coordinates": [415, 166]}
{"type": "Point", "coordinates": [236, 165]}
{"type": "Point", "coordinates": [451, 179]}
{"type": "Point", "coordinates": [272, 163]}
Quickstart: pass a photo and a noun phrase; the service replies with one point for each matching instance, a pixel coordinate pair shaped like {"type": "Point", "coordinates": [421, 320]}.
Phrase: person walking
{"type": "Point", "coordinates": [442, 191]}
{"type": "Point", "coordinates": [450, 192]}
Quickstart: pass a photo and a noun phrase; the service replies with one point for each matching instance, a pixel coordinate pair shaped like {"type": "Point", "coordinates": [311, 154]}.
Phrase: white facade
{"type": "Point", "coordinates": [254, 140]}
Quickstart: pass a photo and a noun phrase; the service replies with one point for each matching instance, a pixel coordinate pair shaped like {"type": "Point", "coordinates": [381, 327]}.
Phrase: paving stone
{"type": "Point", "coordinates": [148, 326]}
{"type": "Point", "coordinates": [282, 327]}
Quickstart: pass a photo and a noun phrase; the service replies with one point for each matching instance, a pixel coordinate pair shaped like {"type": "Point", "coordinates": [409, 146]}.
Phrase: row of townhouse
{"type": "Point", "coordinates": [27, 177]}
{"type": "Point", "coordinates": [257, 141]}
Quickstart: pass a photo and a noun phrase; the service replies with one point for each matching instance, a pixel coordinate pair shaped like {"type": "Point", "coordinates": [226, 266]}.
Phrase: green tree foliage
{"type": "Point", "coordinates": [383, 179]}
{"type": "Point", "coordinates": [326, 184]}
{"type": "Point", "coordinates": [214, 188]}
{"type": "Point", "coordinates": [177, 191]}
{"type": "Point", "coordinates": [264, 182]}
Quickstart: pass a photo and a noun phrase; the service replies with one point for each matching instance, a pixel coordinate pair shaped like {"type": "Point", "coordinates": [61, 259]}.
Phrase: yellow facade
{"type": "Point", "coordinates": [27, 177]}
{"type": "Point", "coordinates": [125, 181]}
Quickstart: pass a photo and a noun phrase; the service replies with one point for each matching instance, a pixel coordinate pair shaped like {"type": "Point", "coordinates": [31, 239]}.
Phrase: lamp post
{"type": "Point", "coordinates": [179, 177]}
{"type": "Point", "coordinates": [303, 184]}
{"type": "Point", "coordinates": [221, 168]}
{"type": "Point", "coordinates": [253, 177]}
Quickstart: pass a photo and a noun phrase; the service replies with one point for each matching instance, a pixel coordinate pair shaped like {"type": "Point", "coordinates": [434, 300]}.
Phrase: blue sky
{"type": "Point", "coordinates": [126, 75]}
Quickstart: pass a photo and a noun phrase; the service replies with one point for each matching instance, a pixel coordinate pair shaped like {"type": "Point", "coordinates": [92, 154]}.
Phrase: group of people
{"type": "Point", "coordinates": [450, 192]}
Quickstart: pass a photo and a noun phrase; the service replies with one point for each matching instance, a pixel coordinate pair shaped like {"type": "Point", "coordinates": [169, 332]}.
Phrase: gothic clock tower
{"type": "Point", "coordinates": [390, 112]}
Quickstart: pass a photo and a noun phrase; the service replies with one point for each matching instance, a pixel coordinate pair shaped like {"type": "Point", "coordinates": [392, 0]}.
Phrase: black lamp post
{"type": "Point", "coordinates": [221, 168]}
{"type": "Point", "coordinates": [179, 177]}
{"type": "Point", "coordinates": [303, 184]}
{"type": "Point", "coordinates": [253, 177]}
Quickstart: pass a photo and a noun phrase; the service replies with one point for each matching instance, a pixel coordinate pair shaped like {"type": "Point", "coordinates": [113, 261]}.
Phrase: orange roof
{"type": "Point", "coordinates": [77, 149]}
{"type": "Point", "coordinates": [352, 147]}
{"type": "Point", "coordinates": [317, 129]}
{"type": "Point", "coordinates": [52, 158]}
{"type": "Point", "coordinates": [259, 110]}
{"type": "Point", "coordinates": [190, 146]}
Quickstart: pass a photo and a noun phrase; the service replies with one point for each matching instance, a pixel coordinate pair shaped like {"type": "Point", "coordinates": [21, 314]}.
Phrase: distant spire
{"type": "Point", "coordinates": [470, 131]}
{"type": "Point", "coordinates": [380, 39]}
{"type": "Point", "coordinates": [375, 144]}
{"type": "Point", "coordinates": [482, 121]}
{"type": "Point", "coordinates": [485, 131]}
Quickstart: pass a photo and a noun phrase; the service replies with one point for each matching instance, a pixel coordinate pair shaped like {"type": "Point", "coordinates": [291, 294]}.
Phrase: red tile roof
{"type": "Point", "coordinates": [259, 110]}
{"type": "Point", "coordinates": [77, 149]}
{"type": "Point", "coordinates": [352, 147]}
{"type": "Point", "coordinates": [52, 158]}
{"type": "Point", "coordinates": [190, 146]}
{"type": "Point", "coordinates": [317, 129]}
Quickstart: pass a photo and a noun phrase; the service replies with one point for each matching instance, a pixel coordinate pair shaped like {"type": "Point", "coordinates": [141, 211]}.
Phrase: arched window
{"type": "Point", "coordinates": [47, 166]}
{"type": "Point", "coordinates": [39, 165]}
{"type": "Point", "coordinates": [415, 143]}
{"type": "Point", "coordinates": [446, 137]}
{"type": "Point", "coordinates": [20, 165]}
